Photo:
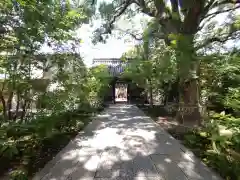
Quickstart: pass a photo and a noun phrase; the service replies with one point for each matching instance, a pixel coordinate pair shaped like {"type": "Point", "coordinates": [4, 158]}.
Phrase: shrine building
{"type": "Point", "coordinates": [122, 89]}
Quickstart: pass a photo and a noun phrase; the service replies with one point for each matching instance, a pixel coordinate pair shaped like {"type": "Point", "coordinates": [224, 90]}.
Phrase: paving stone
{"type": "Point", "coordinates": [115, 178]}
{"type": "Point", "coordinates": [88, 150]}
{"type": "Point", "coordinates": [193, 167]}
{"type": "Point", "coordinates": [107, 173]}
{"type": "Point", "coordinates": [61, 170]}
{"type": "Point", "coordinates": [164, 144]}
{"type": "Point", "coordinates": [197, 171]}
{"type": "Point", "coordinates": [86, 168]}
{"type": "Point", "coordinates": [135, 144]}
{"type": "Point", "coordinates": [110, 164]}
{"type": "Point", "coordinates": [110, 167]}
{"type": "Point", "coordinates": [112, 153]}
{"type": "Point", "coordinates": [167, 167]}
{"type": "Point", "coordinates": [45, 171]}
{"type": "Point", "coordinates": [124, 144]}
{"type": "Point", "coordinates": [143, 166]}
{"type": "Point", "coordinates": [126, 169]}
{"type": "Point", "coordinates": [46, 177]}
{"type": "Point", "coordinates": [131, 178]}
{"type": "Point", "coordinates": [147, 178]}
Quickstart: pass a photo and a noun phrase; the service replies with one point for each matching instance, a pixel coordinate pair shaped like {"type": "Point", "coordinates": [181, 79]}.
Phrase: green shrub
{"type": "Point", "coordinates": [216, 142]}
{"type": "Point", "coordinates": [18, 174]}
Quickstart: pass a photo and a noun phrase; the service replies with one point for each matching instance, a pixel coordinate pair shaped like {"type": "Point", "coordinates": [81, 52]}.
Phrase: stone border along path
{"type": "Point", "coordinates": [123, 143]}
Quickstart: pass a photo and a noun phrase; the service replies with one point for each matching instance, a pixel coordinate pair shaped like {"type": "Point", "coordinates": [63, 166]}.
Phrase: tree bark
{"type": "Point", "coordinates": [150, 92]}
{"type": "Point", "coordinates": [4, 105]}
{"type": "Point", "coordinates": [25, 105]}
{"type": "Point", "coordinates": [9, 105]}
{"type": "Point", "coordinates": [189, 111]}
{"type": "Point", "coordinates": [24, 110]}
{"type": "Point", "coordinates": [18, 105]}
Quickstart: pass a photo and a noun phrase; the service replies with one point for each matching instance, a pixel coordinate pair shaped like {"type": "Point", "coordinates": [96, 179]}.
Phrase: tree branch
{"type": "Point", "coordinates": [216, 39]}
{"type": "Point", "coordinates": [208, 17]}
{"type": "Point", "coordinates": [160, 7]}
{"type": "Point", "coordinates": [207, 8]}
{"type": "Point", "coordinates": [137, 37]}
{"type": "Point", "coordinates": [108, 26]}
{"type": "Point", "coordinates": [214, 4]}
{"type": "Point", "coordinates": [120, 10]}
{"type": "Point", "coordinates": [223, 11]}
{"type": "Point", "coordinates": [118, 14]}
{"type": "Point", "coordinates": [225, 2]}
{"type": "Point", "coordinates": [144, 9]}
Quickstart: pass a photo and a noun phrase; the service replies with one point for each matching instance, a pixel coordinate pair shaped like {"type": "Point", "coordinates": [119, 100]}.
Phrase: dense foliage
{"type": "Point", "coordinates": [180, 62]}
{"type": "Point", "coordinates": [45, 98]}
{"type": "Point", "coordinates": [188, 27]}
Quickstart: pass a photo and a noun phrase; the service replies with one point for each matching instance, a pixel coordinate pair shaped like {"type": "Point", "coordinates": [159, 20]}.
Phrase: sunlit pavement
{"type": "Point", "coordinates": [123, 143]}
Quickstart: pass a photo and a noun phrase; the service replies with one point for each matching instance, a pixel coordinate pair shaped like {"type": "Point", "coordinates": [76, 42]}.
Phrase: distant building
{"type": "Point", "coordinates": [121, 89]}
{"type": "Point", "coordinates": [115, 66]}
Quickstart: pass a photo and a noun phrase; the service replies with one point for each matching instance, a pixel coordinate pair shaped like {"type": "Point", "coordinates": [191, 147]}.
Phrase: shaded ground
{"type": "Point", "coordinates": [44, 153]}
{"type": "Point", "coordinates": [123, 143]}
{"type": "Point", "coordinates": [37, 152]}
{"type": "Point", "coordinates": [166, 119]}
{"type": "Point", "coordinates": [196, 139]}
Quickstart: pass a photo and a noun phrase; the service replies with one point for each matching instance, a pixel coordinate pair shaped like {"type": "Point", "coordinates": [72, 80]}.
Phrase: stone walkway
{"type": "Point", "coordinates": [123, 143]}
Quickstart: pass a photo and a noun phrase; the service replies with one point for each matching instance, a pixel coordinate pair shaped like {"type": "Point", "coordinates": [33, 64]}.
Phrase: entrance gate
{"type": "Point", "coordinates": [121, 92]}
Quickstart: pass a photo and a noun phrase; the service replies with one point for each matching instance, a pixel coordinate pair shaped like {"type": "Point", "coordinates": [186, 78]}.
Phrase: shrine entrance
{"type": "Point", "coordinates": [121, 89]}
{"type": "Point", "coordinates": [121, 92]}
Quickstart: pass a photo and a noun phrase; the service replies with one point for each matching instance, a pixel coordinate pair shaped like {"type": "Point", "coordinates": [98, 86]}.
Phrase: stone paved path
{"type": "Point", "coordinates": [122, 143]}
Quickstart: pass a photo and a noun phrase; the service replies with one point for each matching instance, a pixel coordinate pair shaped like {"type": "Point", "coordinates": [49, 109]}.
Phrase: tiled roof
{"type": "Point", "coordinates": [116, 70]}
{"type": "Point", "coordinates": [115, 66]}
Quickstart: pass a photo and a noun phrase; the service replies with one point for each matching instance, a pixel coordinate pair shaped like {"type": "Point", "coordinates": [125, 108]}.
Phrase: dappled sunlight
{"type": "Point", "coordinates": [72, 154]}
{"type": "Point", "coordinates": [91, 164]}
{"type": "Point", "coordinates": [125, 119]}
{"type": "Point", "coordinates": [140, 117]}
{"type": "Point", "coordinates": [127, 146]}
{"type": "Point", "coordinates": [168, 143]}
{"type": "Point", "coordinates": [103, 115]}
{"type": "Point", "coordinates": [117, 113]}
{"type": "Point", "coordinates": [167, 160]}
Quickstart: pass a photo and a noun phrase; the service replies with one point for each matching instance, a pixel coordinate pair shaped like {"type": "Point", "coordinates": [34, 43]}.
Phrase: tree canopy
{"type": "Point", "coordinates": [187, 27]}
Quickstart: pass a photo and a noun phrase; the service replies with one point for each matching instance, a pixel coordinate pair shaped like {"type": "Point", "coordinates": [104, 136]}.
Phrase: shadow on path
{"type": "Point", "coordinates": [123, 143]}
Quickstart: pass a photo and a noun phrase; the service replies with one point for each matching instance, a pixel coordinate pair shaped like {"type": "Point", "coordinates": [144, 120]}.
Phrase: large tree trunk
{"type": "Point", "coordinates": [149, 82]}
{"type": "Point", "coordinates": [3, 105]}
{"type": "Point", "coordinates": [9, 105]}
{"type": "Point", "coordinates": [189, 111]}
{"type": "Point", "coordinates": [24, 109]}
{"type": "Point", "coordinates": [18, 105]}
